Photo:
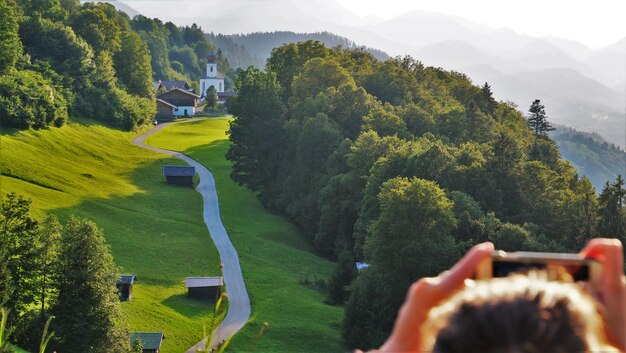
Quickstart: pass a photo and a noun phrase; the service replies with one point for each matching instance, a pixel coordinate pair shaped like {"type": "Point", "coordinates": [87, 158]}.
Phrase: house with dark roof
{"type": "Point", "coordinates": [125, 286]}
{"type": "Point", "coordinates": [184, 102]}
{"type": "Point", "coordinates": [170, 85]}
{"type": "Point", "coordinates": [223, 97]}
{"type": "Point", "coordinates": [179, 175]}
{"type": "Point", "coordinates": [150, 341]}
{"type": "Point", "coordinates": [204, 287]}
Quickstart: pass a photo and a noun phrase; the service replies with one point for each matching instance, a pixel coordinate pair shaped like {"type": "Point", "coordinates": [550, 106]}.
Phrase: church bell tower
{"type": "Point", "coordinates": [211, 66]}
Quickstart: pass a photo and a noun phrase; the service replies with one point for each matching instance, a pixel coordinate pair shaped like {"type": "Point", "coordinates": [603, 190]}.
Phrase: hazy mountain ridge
{"type": "Point", "coordinates": [120, 6]}
{"type": "Point", "coordinates": [258, 46]}
{"type": "Point", "coordinates": [592, 156]}
{"type": "Point", "coordinates": [511, 62]}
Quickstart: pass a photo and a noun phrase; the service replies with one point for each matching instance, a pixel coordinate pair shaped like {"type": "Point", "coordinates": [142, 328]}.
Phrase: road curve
{"type": "Point", "coordinates": [239, 302]}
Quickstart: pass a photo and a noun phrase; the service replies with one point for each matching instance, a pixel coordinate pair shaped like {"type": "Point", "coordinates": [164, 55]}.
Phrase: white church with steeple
{"type": "Point", "coordinates": [212, 77]}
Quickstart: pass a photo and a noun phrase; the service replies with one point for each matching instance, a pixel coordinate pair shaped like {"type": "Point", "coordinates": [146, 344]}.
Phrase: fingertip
{"type": "Point", "coordinates": [488, 246]}
{"type": "Point", "coordinates": [602, 246]}
{"type": "Point", "coordinates": [484, 249]}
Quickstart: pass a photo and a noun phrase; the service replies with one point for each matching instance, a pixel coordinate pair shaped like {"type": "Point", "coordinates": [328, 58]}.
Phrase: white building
{"type": "Point", "coordinates": [212, 78]}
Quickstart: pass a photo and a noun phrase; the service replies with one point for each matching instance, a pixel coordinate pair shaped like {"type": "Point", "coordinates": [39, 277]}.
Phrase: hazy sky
{"type": "Point", "coordinates": [596, 23]}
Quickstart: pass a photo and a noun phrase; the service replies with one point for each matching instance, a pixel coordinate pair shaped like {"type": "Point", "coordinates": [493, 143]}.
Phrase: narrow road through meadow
{"type": "Point", "coordinates": [239, 302]}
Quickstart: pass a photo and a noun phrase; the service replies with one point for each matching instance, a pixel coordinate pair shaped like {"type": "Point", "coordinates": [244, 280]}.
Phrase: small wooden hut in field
{"type": "Point", "coordinates": [179, 175]}
{"type": "Point", "coordinates": [204, 287]}
{"type": "Point", "coordinates": [125, 286]}
{"type": "Point", "coordinates": [150, 341]}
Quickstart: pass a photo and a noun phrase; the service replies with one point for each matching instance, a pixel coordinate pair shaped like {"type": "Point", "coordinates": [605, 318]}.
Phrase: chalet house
{"type": "Point", "coordinates": [184, 102]}
{"type": "Point", "coordinates": [204, 287]}
{"type": "Point", "coordinates": [150, 341]}
{"type": "Point", "coordinates": [179, 175]}
{"type": "Point", "coordinates": [125, 286]}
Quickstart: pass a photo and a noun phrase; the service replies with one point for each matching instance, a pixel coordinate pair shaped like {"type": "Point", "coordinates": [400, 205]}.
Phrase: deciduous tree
{"type": "Point", "coordinates": [257, 131]}
{"type": "Point", "coordinates": [211, 97]}
{"type": "Point", "coordinates": [10, 44]}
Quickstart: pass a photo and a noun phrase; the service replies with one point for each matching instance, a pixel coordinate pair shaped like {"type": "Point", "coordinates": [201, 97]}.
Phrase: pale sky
{"type": "Point", "coordinates": [595, 23]}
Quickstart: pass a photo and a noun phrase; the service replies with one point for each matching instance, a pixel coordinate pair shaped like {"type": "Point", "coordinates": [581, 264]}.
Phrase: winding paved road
{"type": "Point", "coordinates": [239, 302]}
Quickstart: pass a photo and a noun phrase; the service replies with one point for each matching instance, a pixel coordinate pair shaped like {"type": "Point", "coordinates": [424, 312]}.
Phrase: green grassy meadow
{"type": "Point", "coordinates": [155, 231]}
{"type": "Point", "coordinates": [274, 256]}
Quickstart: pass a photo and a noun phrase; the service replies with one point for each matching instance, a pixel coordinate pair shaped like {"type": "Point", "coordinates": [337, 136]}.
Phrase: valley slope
{"type": "Point", "coordinates": [155, 231]}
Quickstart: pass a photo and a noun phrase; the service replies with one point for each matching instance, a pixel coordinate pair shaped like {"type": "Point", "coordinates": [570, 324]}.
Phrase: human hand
{"type": "Point", "coordinates": [611, 294]}
{"type": "Point", "coordinates": [427, 293]}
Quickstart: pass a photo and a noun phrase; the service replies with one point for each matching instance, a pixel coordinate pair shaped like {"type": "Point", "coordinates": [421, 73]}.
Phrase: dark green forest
{"type": "Point", "coordinates": [61, 271]}
{"type": "Point", "coordinates": [243, 50]}
{"type": "Point", "coordinates": [404, 167]}
{"type": "Point", "coordinates": [60, 59]}
{"type": "Point", "coordinates": [592, 156]}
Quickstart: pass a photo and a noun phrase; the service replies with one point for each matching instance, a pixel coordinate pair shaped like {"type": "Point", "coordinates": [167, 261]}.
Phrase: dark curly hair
{"type": "Point", "coordinates": [517, 314]}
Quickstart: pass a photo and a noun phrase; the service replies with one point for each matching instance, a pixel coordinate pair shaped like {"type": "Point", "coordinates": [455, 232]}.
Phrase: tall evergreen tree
{"type": "Point", "coordinates": [612, 222]}
{"type": "Point", "coordinates": [49, 242]}
{"type": "Point", "coordinates": [18, 256]}
{"type": "Point", "coordinates": [488, 104]}
{"type": "Point", "coordinates": [86, 309]}
{"type": "Point", "coordinates": [537, 120]}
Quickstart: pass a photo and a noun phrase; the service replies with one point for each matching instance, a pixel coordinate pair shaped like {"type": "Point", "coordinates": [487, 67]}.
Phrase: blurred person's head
{"type": "Point", "coordinates": [516, 314]}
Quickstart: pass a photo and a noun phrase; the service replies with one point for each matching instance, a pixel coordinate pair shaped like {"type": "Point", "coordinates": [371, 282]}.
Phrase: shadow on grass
{"type": "Point", "coordinates": [157, 233]}
{"type": "Point", "coordinates": [189, 307]}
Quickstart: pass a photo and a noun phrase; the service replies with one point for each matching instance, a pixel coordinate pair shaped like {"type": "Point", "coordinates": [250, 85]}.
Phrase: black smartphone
{"type": "Point", "coordinates": [503, 263]}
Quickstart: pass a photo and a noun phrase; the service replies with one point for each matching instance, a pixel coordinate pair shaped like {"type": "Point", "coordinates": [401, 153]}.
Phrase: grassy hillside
{"type": "Point", "coordinates": [274, 257]}
{"type": "Point", "coordinates": [155, 230]}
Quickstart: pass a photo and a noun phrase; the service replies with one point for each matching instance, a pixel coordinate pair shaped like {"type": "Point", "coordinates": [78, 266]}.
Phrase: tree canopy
{"type": "Point", "coordinates": [401, 166]}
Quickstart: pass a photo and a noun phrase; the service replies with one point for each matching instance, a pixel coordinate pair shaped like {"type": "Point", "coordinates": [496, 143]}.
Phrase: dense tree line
{"type": "Point", "coordinates": [60, 270]}
{"type": "Point", "coordinates": [65, 59]}
{"type": "Point", "coordinates": [404, 167]}
{"type": "Point", "coordinates": [179, 53]}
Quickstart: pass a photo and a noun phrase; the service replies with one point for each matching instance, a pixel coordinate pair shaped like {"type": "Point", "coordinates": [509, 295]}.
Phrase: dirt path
{"type": "Point", "coordinates": [239, 302]}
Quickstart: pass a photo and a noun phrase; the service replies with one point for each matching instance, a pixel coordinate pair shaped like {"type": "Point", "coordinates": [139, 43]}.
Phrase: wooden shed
{"type": "Point", "coordinates": [204, 287]}
{"type": "Point", "coordinates": [125, 286]}
{"type": "Point", "coordinates": [165, 110]}
{"type": "Point", "coordinates": [179, 175]}
{"type": "Point", "coordinates": [150, 341]}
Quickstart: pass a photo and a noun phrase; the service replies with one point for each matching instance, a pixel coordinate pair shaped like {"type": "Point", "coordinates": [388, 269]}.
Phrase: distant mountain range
{"type": "Point", "coordinates": [120, 6]}
{"type": "Point", "coordinates": [243, 50]}
{"type": "Point", "coordinates": [581, 87]}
